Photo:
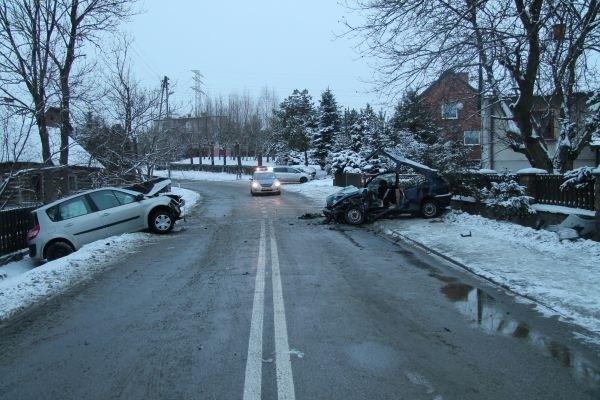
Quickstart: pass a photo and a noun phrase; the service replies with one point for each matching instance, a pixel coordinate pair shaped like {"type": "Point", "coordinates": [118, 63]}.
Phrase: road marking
{"type": "Point", "coordinates": [252, 381]}
{"type": "Point", "coordinates": [285, 379]}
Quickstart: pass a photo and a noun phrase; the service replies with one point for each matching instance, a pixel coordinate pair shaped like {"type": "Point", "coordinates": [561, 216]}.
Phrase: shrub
{"type": "Point", "coordinates": [578, 178]}
{"type": "Point", "coordinates": [507, 199]}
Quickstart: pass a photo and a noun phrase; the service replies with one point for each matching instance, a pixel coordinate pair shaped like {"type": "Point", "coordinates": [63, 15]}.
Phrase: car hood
{"type": "Point", "coordinates": [265, 181]}
{"type": "Point", "coordinates": [348, 191]}
{"type": "Point", "coordinates": [151, 187]}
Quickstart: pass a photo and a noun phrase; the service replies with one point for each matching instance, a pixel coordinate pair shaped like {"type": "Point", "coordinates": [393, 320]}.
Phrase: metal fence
{"type": "Point", "coordinates": [14, 225]}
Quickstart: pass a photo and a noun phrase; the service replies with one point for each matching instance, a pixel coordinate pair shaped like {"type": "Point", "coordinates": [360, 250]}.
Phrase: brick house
{"type": "Point", "coordinates": [454, 104]}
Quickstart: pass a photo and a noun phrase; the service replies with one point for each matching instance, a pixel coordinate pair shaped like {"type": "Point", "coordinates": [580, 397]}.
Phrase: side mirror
{"type": "Point", "coordinates": [139, 197]}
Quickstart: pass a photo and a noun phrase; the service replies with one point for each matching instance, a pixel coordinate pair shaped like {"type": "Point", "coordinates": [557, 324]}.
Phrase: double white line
{"type": "Point", "coordinates": [285, 380]}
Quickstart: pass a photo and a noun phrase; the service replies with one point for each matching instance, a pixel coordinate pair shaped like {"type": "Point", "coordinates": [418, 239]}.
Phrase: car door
{"type": "Point", "coordinates": [118, 212]}
{"type": "Point", "coordinates": [281, 173]}
{"type": "Point", "coordinates": [75, 220]}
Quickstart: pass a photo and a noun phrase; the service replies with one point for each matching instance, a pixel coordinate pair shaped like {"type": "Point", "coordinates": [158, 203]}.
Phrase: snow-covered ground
{"type": "Point", "coordinates": [562, 276]}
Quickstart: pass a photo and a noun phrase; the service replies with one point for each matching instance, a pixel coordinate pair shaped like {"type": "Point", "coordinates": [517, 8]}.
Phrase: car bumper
{"type": "Point", "coordinates": [33, 251]}
{"type": "Point", "coordinates": [444, 199]}
{"type": "Point", "coordinates": [265, 190]}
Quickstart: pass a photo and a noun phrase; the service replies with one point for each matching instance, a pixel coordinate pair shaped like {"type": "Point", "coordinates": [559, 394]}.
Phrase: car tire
{"type": "Point", "coordinates": [303, 179]}
{"type": "Point", "coordinates": [354, 216]}
{"type": "Point", "coordinates": [161, 222]}
{"type": "Point", "coordinates": [429, 208]}
{"type": "Point", "coordinates": [57, 250]}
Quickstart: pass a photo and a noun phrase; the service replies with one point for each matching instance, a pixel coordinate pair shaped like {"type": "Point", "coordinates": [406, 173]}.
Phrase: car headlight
{"type": "Point", "coordinates": [255, 185]}
{"type": "Point", "coordinates": [277, 183]}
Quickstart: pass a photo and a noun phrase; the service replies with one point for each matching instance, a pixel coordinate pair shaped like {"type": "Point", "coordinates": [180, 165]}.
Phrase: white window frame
{"type": "Point", "coordinates": [465, 133]}
{"type": "Point", "coordinates": [450, 110]}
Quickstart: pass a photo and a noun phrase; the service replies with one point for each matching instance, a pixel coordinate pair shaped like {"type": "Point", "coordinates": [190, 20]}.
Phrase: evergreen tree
{"type": "Point", "coordinates": [418, 137]}
{"type": "Point", "coordinates": [329, 127]}
{"type": "Point", "coordinates": [412, 116]}
{"type": "Point", "coordinates": [294, 122]}
{"type": "Point", "coordinates": [370, 130]}
{"type": "Point", "coordinates": [343, 142]}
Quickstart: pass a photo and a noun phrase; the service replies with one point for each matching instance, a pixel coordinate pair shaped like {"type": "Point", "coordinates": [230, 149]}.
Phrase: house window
{"type": "Point", "coordinates": [472, 138]}
{"type": "Point", "coordinates": [72, 182]}
{"type": "Point", "coordinates": [450, 110]}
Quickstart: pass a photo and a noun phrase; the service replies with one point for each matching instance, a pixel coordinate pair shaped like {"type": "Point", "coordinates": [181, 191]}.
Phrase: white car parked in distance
{"type": "Point", "coordinates": [291, 174]}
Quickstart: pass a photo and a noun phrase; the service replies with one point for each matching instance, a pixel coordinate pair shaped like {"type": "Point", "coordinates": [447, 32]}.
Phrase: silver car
{"type": "Point", "coordinates": [67, 224]}
{"type": "Point", "coordinates": [291, 175]}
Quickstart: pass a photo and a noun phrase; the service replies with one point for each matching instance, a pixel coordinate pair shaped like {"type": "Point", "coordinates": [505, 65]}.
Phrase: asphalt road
{"type": "Point", "coordinates": [247, 301]}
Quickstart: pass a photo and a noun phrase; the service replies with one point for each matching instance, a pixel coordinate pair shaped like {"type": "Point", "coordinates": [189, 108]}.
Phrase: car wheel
{"type": "Point", "coordinates": [57, 250]}
{"type": "Point", "coordinates": [303, 179]}
{"type": "Point", "coordinates": [429, 208]}
{"type": "Point", "coordinates": [354, 216]}
{"type": "Point", "coordinates": [161, 221]}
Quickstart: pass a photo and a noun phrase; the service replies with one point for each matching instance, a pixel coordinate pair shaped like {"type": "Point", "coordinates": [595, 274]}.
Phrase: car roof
{"type": "Point", "coordinates": [58, 201]}
{"type": "Point", "coordinates": [401, 160]}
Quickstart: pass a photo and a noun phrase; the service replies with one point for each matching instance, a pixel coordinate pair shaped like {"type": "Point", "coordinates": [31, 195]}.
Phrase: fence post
{"type": "Point", "coordinates": [527, 179]}
{"type": "Point", "coordinates": [339, 178]}
{"type": "Point", "coordinates": [597, 203]}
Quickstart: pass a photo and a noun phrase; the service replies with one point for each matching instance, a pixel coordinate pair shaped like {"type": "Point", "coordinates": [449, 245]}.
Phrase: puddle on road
{"type": "Point", "coordinates": [483, 310]}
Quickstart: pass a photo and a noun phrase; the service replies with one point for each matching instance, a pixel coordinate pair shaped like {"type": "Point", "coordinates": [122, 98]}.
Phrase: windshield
{"type": "Point", "coordinates": [349, 190]}
{"type": "Point", "coordinates": [264, 175]}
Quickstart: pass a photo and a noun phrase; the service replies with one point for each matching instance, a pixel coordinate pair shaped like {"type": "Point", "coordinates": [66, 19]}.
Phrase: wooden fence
{"type": "Point", "coordinates": [547, 191]}
{"type": "Point", "coordinates": [14, 225]}
{"type": "Point", "coordinates": [544, 188]}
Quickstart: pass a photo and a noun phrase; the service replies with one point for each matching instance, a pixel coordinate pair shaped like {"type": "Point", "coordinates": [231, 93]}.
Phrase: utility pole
{"type": "Point", "coordinates": [164, 97]}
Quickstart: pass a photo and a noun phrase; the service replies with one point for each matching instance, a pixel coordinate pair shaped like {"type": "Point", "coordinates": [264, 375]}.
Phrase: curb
{"type": "Point", "coordinates": [16, 256]}
{"type": "Point", "coordinates": [395, 236]}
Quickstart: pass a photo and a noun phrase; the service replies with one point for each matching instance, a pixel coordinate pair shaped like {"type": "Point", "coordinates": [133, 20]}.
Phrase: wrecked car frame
{"type": "Point", "coordinates": [391, 194]}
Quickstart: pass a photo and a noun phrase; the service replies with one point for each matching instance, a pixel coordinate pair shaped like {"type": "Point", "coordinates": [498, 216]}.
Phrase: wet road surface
{"type": "Point", "coordinates": [246, 301]}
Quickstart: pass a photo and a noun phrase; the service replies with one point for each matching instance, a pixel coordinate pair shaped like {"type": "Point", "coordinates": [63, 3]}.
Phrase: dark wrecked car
{"type": "Point", "coordinates": [391, 194]}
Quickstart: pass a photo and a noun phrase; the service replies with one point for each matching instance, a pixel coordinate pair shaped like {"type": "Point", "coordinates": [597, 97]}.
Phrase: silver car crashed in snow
{"type": "Point", "coordinates": [65, 225]}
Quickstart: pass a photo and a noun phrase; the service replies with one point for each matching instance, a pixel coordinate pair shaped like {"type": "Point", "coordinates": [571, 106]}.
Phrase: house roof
{"type": "Point", "coordinates": [461, 77]}
{"type": "Point", "coordinates": [28, 148]}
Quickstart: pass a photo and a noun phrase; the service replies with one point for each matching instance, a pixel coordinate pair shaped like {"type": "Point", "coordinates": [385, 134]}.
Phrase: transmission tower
{"type": "Point", "coordinates": [198, 92]}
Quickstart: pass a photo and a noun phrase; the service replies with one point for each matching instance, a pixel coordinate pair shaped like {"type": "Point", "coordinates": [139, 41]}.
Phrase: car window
{"type": "Point", "coordinates": [124, 198]}
{"type": "Point", "coordinates": [389, 177]}
{"type": "Point", "coordinates": [279, 169]}
{"type": "Point", "coordinates": [104, 199]}
{"type": "Point", "coordinates": [69, 209]}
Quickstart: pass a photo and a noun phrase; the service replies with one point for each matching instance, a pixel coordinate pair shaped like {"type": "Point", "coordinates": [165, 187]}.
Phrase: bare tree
{"type": "Point", "coordinates": [81, 23]}
{"type": "Point", "coordinates": [520, 48]}
{"type": "Point", "coordinates": [27, 38]}
{"type": "Point", "coordinates": [133, 108]}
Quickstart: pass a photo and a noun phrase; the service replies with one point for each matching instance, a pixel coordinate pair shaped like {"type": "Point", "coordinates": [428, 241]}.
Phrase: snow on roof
{"type": "Point", "coordinates": [31, 146]}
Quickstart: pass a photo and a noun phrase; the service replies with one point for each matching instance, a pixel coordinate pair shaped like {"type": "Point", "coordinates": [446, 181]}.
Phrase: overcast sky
{"type": "Point", "coordinates": [245, 45]}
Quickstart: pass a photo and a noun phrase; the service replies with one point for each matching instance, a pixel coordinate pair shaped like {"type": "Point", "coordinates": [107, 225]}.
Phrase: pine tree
{"type": "Point", "coordinates": [343, 142]}
{"type": "Point", "coordinates": [329, 125]}
{"type": "Point", "coordinates": [412, 116]}
{"type": "Point", "coordinates": [295, 122]}
{"type": "Point", "coordinates": [418, 137]}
